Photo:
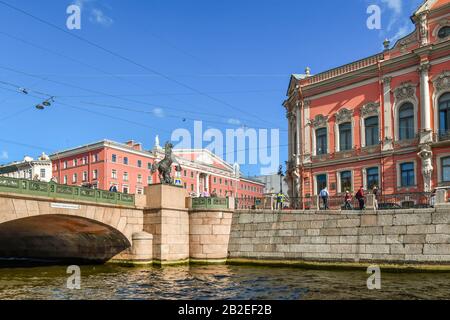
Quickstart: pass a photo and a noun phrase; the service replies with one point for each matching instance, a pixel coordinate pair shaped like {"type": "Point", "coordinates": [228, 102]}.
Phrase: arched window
{"type": "Point", "coordinates": [406, 121]}
{"type": "Point", "coordinates": [444, 32]}
{"type": "Point", "coordinates": [371, 128]}
{"type": "Point", "coordinates": [345, 136]}
{"type": "Point", "coordinates": [321, 141]}
{"type": "Point", "coordinates": [444, 115]}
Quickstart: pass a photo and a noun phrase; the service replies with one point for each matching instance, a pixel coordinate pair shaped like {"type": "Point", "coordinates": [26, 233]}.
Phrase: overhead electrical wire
{"type": "Point", "coordinates": [110, 74]}
{"type": "Point", "coordinates": [93, 91]}
{"type": "Point", "coordinates": [124, 58]}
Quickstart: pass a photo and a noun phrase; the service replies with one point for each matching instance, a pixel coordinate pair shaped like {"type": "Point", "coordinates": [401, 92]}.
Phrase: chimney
{"type": "Point", "coordinates": [130, 143]}
{"type": "Point", "coordinates": [137, 146]}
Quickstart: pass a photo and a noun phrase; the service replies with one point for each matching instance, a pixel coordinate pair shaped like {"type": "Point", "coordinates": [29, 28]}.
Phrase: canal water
{"type": "Point", "coordinates": [216, 282]}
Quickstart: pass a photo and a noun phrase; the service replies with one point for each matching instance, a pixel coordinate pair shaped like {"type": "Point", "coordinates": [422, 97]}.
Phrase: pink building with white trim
{"type": "Point", "coordinates": [381, 121]}
{"type": "Point", "coordinates": [128, 166]}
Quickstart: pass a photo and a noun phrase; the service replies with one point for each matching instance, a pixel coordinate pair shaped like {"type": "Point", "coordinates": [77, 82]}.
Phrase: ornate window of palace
{"type": "Point", "coordinates": [320, 182]}
{"type": "Point", "coordinates": [320, 135]}
{"type": "Point", "coordinates": [321, 141]}
{"type": "Point", "coordinates": [444, 114]}
{"type": "Point", "coordinates": [407, 174]}
{"type": "Point", "coordinates": [371, 177]}
{"type": "Point", "coordinates": [445, 169]}
{"type": "Point", "coordinates": [369, 123]}
{"type": "Point", "coordinates": [345, 136]}
{"type": "Point", "coordinates": [406, 111]}
{"type": "Point", "coordinates": [344, 130]}
{"type": "Point", "coordinates": [444, 32]}
{"type": "Point", "coordinates": [345, 181]}
{"type": "Point", "coordinates": [406, 127]}
{"type": "Point", "coordinates": [371, 131]}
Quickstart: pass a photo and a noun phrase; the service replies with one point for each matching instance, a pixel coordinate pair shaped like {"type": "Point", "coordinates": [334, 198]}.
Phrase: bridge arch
{"type": "Point", "coordinates": [64, 231]}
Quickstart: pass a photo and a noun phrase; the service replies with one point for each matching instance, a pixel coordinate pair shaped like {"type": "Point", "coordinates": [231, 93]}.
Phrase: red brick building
{"type": "Point", "coordinates": [381, 121]}
{"type": "Point", "coordinates": [128, 166]}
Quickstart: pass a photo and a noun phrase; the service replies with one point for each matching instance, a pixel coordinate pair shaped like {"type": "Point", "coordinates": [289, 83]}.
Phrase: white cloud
{"type": "Point", "coordinates": [232, 121]}
{"type": "Point", "coordinates": [158, 112]}
{"type": "Point", "coordinates": [81, 3]}
{"type": "Point", "coordinates": [401, 32]}
{"type": "Point", "coordinates": [97, 16]}
{"type": "Point", "coordinates": [4, 155]}
{"type": "Point", "coordinates": [399, 24]}
{"type": "Point", "coordinates": [394, 5]}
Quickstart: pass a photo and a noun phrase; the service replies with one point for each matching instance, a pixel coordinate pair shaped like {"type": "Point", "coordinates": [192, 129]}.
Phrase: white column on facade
{"type": "Point", "coordinates": [288, 117]}
{"type": "Point", "coordinates": [207, 183]}
{"type": "Point", "coordinates": [336, 137]}
{"type": "Point", "coordinates": [299, 134]}
{"type": "Point", "coordinates": [387, 116]}
{"type": "Point", "coordinates": [307, 126]}
{"type": "Point", "coordinates": [198, 183]}
{"type": "Point", "coordinates": [362, 134]}
{"type": "Point", "coordinates": [425, 102]}
{"type": "Point", "coordinates": [293, 133]}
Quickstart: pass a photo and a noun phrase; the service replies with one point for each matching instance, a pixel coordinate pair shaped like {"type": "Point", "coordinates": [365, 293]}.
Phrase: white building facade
{"type": "Point", "coordinates": [28, 168]}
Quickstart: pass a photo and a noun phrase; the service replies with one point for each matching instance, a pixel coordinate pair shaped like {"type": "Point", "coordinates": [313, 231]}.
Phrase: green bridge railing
{"type": "Point", "coordinates": [209, 203]}
{"type": "Point", "coordinates": [54, 190]}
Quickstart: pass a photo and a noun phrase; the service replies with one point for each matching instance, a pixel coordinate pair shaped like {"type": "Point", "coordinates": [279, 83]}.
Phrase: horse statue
{"type": "Point", "coordinates": [164, 167]}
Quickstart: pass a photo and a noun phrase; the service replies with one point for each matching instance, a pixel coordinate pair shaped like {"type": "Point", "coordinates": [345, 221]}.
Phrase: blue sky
{"type": "Point", "coordinates": [224, 62]}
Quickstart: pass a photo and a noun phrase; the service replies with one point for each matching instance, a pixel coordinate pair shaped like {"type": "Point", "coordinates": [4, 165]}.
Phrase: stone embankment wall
{"type": "Point", "coordinates": [400, 236]}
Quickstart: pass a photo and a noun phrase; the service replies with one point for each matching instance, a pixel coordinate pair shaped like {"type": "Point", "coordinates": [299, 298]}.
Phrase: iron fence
{"type": "Point", "coordinates": [59, 191]}
{"type": "Point", "coordinates": [413, 200]}
{"type": "Point", "coordinates": [209, 203]}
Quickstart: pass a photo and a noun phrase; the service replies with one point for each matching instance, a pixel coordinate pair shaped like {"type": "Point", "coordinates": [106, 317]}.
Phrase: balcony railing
{"type": "Point", "coordinates": [441, 135]}
{"type": "Point", "coordinates": [66, 192]}
{"type": "Point", "coordinates": [354, 66]}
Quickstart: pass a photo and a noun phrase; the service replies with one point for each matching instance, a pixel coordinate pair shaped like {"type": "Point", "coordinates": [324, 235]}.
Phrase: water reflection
{"type": "Point", "coordinates": [216, 282]}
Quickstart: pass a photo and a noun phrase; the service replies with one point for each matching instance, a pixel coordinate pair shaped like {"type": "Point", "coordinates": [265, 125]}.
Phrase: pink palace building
{"type": "Point", "coordinates": [381, 121]}
{"type": "Point", "coordinates": [128, 167]}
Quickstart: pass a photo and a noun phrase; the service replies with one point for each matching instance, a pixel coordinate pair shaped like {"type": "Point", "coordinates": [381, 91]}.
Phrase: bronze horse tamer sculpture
{"type": "Point", "coordinates": [164, 167]}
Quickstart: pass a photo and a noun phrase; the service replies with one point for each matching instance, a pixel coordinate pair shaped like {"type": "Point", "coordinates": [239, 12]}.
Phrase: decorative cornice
{"type": "Point", "coordinates": [406, 90]}
{"type": "Point", "coordinates": [442, 81]}
{"type": "Point", "coordinates": [319, 121]}
{"type": "Point", "coordinates": [370, 109]}
{"type": "Point", "coordinates": [344, 115]}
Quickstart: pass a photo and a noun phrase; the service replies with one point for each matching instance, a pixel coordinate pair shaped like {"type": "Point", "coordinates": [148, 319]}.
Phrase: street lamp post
{"type": "Point", "coordinates": [280, 173]}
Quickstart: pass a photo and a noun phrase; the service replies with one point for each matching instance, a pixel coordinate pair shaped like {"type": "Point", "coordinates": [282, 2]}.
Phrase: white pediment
{"type": "Point", "coordinates": [205, 158]}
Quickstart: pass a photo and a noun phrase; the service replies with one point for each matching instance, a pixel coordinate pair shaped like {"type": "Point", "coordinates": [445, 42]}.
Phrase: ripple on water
{"type": "Point", "coordinates": [216, 282]}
